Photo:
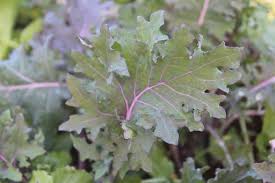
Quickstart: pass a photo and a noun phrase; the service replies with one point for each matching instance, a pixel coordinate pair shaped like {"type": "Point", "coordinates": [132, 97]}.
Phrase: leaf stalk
{"type": "Point", "coordinates": [135, 100]}
{"type": "Point", "coordinates": [31, 86]}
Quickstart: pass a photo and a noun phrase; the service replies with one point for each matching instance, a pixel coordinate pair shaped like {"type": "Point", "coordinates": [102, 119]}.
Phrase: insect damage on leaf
{"type": "Point", "coordinates": [150, 82]}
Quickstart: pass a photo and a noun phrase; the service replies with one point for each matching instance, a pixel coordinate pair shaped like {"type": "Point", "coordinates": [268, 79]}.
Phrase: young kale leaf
{"type": "Point", "coordinates": [146, 84]}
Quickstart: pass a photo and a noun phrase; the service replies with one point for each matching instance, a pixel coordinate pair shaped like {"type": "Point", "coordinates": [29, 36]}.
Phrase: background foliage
{"type": "Point", "coordinates": [137, 91]}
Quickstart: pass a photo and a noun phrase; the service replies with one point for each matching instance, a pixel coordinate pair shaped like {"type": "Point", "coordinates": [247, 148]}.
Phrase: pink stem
{"type": "Point", "coordinates": [263, 84]}
{"type": "Point", "coordinates": [203, 12]}
{"type": "Point", "coordinates": [129, 112]}
{"type": "Point", "coordinates": [30, 86]}
{"type": "Point", "coordinates": [2, 157]}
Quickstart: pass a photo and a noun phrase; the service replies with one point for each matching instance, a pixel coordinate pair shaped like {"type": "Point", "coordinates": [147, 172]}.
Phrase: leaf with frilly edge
{"type": "Point", "coordinates": [16, 144]}
{"type": "Point", "coordinates": [177, 80]}
{"type": "Point", "coordinates": [71, 175]}
{"type": "Point", "coordinates": [239, 174]}
{"type": "Point", "coordinates": [190, 174]}
{"type": "Point", "coordinates": [62, 175]}
{"type": "Point", "coordinates": [15, 137]}
{"type": "Point", "coordinates": [219, 19]}
{"type": "Point", "coordinates": [161, 78]}
{"type": "Point", "coordinates": [266, 169]}
{"type": "Point", "coordinates": [157, 89]}
{"type": "Point", "coordinates": [41, 176]}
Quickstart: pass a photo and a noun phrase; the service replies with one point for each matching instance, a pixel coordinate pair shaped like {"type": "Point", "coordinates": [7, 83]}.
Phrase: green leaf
{"type": "Point", "coordinates": [41, 177]}
{"type": "Point", "coordinates": [268, 130]}
{"type": "Point", "coordinates": [71, 175]}
{"type": "Point", "coordinates": [133, 178]}
{"type": "Point", "coordinates": [86, 151]}
{"type": "Point", "coordinates": [161, 165]}
{"type": "Point", "coordinates": [220, 17]}
{"type": "Point", "coordinates": [166, 89]}
{"type": "Point", "coordinates": [11, 173]}
{"type": "Point", "coordinates": [120, 157]}
{"type": "Point", "coordinates": [123, 1]}
{"type": "Point", "coordinates": [15, 142]}
{"type": "Point", "coordinates": [62, 175]}
{"type": "Point", "coordinates": [52, 160]}
{"type": "Point", "coordinates": [178, 80]}
{"type": "Point", "coordinates": [156, 180]}
{"type": "Point", "coordinates": [266, 170]}
{"type": "Point", "coordinates": [239, 174]}
{"type": "Point", "coordinates": [139, 153]}
{"type": "Point", "coordinates": [149, 32]}
{"type": "Point", "coordinates": [190, 173]}
{"type": "Point", "coordinates": [101, 168]}
{"type": "Point", "coordinates": [78, 122]}
{"type": "Point", "coordinates": [166, 130]}
{"type": "Point", "coordinates": [106, 55]}
{"type": "Point", "coordinates": [31, 80]}
{"type": "Point", "coordinates": [129, 12]}
{"type": "Point", "coordinates": [260, 33]}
